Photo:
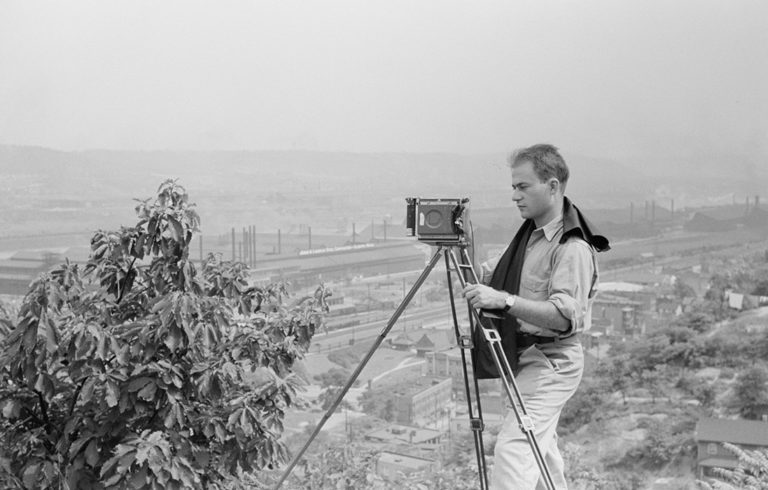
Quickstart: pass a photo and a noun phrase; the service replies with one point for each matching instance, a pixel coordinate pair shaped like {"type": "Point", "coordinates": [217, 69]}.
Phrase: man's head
{"type": "Point", "coordinates": [539, 176]}
{"type": "Point", "coordinates": [546, 160]}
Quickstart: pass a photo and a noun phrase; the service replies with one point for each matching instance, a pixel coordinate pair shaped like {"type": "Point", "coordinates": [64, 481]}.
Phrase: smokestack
{"type": "Point", "coordinates": [757, 201]}
{"type": "Point", "coordinates": [279, 242]}
{"type": "Point", "coordinates": [244, 244]}
{"type": "Point", "coordinates": [353, 233]}
{"type": "Point", "coordinates": [309, 234]}
{"type": "Point", "coordinates": [253, 245]}
{"type": "Point", "coordinates": [233, 244]}
{"type": "Point", "coordinates": [653, 211]}
{"type": "Point", "coordinates": [645, 213]}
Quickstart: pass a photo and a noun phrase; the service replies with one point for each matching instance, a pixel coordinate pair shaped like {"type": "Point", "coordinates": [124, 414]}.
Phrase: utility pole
{"type": "Point", "coordinates": [244, 246]}
{"type": "Point", "coordinates": [253, 245]}
{"type": "Point", "coordinates": [234, 258]}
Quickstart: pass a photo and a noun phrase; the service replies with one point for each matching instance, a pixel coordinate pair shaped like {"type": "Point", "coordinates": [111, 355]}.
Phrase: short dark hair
{"type": "Point", "coordinates": [547, 162]}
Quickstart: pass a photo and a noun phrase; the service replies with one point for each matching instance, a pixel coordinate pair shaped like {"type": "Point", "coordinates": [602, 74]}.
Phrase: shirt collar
{"type": "Point", "coordinates": [551, 228]}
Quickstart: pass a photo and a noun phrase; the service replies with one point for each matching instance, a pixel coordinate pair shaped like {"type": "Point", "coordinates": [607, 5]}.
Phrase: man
{"type": "Point", "coordinates": [544, 283]}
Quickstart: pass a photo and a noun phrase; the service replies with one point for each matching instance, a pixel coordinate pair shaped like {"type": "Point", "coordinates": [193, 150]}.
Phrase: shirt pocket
{"type": "Point", "coordinates": [533, 284]}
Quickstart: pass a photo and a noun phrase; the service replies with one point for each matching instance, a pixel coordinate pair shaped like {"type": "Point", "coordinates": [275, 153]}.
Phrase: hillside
{"type": "Point", "coordinates": [38, 183]}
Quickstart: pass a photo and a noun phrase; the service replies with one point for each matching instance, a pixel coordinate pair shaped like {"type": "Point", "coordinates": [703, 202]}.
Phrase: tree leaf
{"type": "Point", "coordinates": [92, 453]}
{"type": "Point", "coordinates": [30, 475]}
{"type": "Point", "coordinates": [101, 346]}
{"type": "Point", "coordinates": [148, 392]}
{"type": "Point", "coordinates": [11, 409]}
{"type": "Point", "coordinates": [138, 479]}
{"type": "Point", "coordinates": [170, 418]}
{"type": "Point", "coordinates": [220, 433]}
{"type": "Point", "coordinates": [113, 480]}
{"type": "Point", "coordinates": [176, 230]}
{"type": "Point", "coordinates": [30, 336]}
{"type": "Point", "coordinates": [137, 384]}
{"type": "Point", "coordinates": [113, 394]}
{"type": "Point", "coordinates": [78, 445]}
{"type": "Point", "coordinates": [51, 337]}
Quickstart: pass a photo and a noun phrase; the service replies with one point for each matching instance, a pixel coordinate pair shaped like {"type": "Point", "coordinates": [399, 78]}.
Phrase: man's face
{"type": "Point", "coordinates": [535, 199]}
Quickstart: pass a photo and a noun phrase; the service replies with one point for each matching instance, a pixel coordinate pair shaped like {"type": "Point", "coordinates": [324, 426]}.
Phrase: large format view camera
{"type": "Point", "coordinates": [437, 220]}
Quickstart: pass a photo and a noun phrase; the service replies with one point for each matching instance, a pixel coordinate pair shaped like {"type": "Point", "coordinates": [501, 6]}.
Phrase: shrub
{"type": "Point", "coordinates": [143, 370]}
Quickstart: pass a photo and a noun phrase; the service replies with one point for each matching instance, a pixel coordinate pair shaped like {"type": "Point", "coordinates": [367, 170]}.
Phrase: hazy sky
{"type": "Point", "coordinates": [605, 78]}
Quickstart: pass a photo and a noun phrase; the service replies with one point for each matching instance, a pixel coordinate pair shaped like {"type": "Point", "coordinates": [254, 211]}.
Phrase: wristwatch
{"type": "Point", "coordinates": [509, 302]}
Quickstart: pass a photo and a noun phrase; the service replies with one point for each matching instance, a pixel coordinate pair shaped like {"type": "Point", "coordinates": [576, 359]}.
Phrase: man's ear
{"type": "Point", "coordinates": [554, 185]}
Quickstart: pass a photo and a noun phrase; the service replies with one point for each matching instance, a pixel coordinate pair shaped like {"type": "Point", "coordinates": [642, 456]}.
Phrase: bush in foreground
{"type": "Point", "coordinates": [143, 370]}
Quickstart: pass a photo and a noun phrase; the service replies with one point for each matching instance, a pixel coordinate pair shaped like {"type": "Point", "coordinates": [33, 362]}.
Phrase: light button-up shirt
{"type": "Point", "coordinates": [563, 274]}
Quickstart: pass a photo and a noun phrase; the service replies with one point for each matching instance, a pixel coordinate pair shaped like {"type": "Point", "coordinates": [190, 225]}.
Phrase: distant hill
{"type": "Point", "coordinates": [45, 189]}
{"type": "Point", "coordinates": [403, 173]}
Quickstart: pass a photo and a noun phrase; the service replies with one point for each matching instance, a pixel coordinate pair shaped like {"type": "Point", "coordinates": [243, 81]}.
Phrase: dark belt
{"type": "Point", "coordinates": [525, 340]}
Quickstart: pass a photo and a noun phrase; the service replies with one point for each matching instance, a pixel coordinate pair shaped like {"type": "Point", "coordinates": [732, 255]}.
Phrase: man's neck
{"type": "Point", "coordinates": [554, 212]}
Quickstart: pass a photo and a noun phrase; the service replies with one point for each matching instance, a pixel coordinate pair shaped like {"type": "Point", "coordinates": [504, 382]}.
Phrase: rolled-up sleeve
{"type": "Point", "coordinates": [571, 283]}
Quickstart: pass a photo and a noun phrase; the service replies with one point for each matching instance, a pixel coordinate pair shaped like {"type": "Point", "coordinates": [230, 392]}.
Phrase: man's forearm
{"type": "Point", "coordinates": [543, 314]}
{"type": "Point", "coordinates": [540, 313]}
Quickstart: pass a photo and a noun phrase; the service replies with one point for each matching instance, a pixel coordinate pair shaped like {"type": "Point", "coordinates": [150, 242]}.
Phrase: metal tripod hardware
{"type": "Point", "coordinates": [491, 335]}
{"type": "Point", "coordinates": [465, 342]}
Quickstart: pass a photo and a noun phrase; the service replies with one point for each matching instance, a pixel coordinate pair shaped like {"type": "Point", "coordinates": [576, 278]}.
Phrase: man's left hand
{"type": "Point", "coordinates": [485, 297]}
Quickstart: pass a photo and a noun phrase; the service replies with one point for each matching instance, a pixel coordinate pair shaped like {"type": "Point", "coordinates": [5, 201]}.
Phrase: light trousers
{"type": "Point", "coordinates": [548, 375]}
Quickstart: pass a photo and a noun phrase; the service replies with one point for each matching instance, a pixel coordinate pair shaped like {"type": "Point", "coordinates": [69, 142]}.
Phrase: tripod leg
{"type": "Point", "coordinates": [518, 406]}
{"type": "Point", "coordinates": [491, 336]}
{"type": "Point", "coordinates": [476, 424]}
{"type": "Point", "coordinates": [356, 373]}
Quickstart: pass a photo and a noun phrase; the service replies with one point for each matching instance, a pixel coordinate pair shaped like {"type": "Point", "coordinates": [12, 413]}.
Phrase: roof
{"type": "Point", "coordinates": [628, 287]}
{"type": "Point", "coordinates": [424, 343]}
{"type": "Point", "coordinates": [404, 460]}
{"type": "Point", "coordinates": [378, 253]}
{"type": "Point", "coordinates": [605, 298]}
{"type": "Point", "coordinates": [452, 353]}
{"type": "Point", "coordinates": [403, 433]}
{"type": "Point", "coordinates": [440, 338]}
{"type": "Point", "coordinates": [749, 432]}
{"type": "Point", "coordinates": [728, 212]}
{"type": "Point", "coordinates": [645, 277]}
{"type": "Point", "coordinates": [705, 222]}
{"type": "Point", "coordinates": [719, 462]}
{"type": "Point", "coordinates": [417, 385]}
{"type": "Point", "coordinates": [403, 339]}
{"type": "Point", "coordinates": [380, 230]}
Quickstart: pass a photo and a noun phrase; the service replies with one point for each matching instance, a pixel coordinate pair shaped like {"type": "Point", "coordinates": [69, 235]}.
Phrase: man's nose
{"type": "Point", "coordinates": [516, 195]}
